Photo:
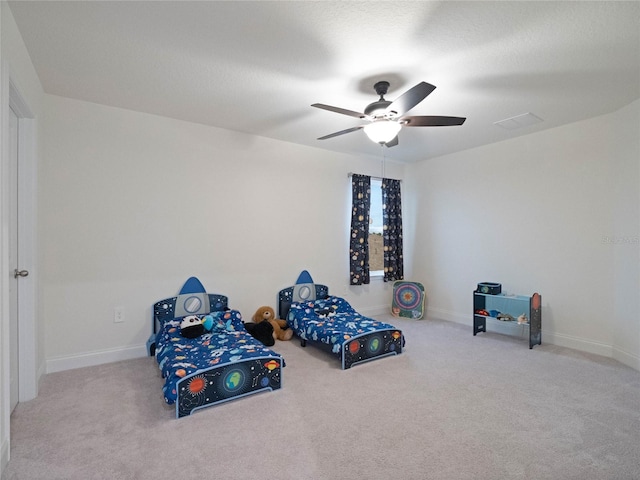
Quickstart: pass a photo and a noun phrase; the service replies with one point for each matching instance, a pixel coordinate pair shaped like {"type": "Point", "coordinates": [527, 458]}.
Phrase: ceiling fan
{"type": "Point", "coordinates": [387, 118]}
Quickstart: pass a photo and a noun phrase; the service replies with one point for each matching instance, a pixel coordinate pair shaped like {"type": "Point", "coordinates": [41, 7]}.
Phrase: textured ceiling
{"type": "Point", "coordinates": [256, 67]}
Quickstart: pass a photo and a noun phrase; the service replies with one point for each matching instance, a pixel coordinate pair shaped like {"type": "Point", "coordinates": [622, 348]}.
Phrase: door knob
{"type": "Point", "coordinates": [20, 273]}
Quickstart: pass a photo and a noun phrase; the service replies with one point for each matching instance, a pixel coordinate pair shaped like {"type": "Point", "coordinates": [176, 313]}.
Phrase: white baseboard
{"type": "Point", "coordinates": [42, 370]}
{"type": "Point", "coordinates": [373, 311]}
{"type": "Point", "coordinates": [115, 355]}
{"type": "Point", "coordinates": [4, 455]}
{"type": "Point", "coordinates": [90, 359]}
{"type": "Point", "coordinates": [450, 316]}
{"type": "Point", "coordinates": [627, 358]}
{"type": "Point", "coordinates": [576, 343]}
{"type": "Point", "coordinates": [33, 393]}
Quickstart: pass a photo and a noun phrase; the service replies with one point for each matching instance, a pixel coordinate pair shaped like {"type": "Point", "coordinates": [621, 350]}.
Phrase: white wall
{"type": "Point", "coordinates": [132, 204]}
{"type": "Point", "coordinates": [534, 213]}
{"type": "Point", "coordinates": [16, 67]}
{"type": "Point", "coordinates": [625, 240]}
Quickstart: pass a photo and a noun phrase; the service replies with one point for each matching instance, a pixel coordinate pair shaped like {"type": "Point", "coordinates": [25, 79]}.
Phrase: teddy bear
{"type": "Point", "coordinates": [280, 332]}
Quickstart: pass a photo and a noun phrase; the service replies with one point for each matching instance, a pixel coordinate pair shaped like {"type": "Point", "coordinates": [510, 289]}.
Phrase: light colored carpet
{"type": "Point", "coordinates": [452, 406]}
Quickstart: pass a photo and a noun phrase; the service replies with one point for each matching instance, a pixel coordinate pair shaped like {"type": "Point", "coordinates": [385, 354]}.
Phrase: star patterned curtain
{"type": "Point", "coordinates": [392, 230]}
{"type": "Point", "coordinates": [359, 241]}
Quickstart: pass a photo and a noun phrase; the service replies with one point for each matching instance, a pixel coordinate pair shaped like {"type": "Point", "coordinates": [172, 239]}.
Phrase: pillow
{"type": "Point", "coordinates": [330, 306]}
{"type": "Point", "coordinates": [228, 321]}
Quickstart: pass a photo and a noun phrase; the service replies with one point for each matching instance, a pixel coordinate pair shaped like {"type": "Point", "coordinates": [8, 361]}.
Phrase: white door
{"type": "Point", "coordinates": [21, 383]}
{"type": "Point", "coordinates": [13, 259]}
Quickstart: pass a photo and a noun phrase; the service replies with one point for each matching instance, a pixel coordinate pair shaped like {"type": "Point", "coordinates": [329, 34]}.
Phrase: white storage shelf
{"type": "Point", "coordinates": [513, 305]}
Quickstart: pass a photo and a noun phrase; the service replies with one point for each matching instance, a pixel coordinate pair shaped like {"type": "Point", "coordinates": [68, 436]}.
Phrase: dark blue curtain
{"type": "Point", "coordinates": [392, 230]}
{"type": "Point", "coordinates": [359, 241]}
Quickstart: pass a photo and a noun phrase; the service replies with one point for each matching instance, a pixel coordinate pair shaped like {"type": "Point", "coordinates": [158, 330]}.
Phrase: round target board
{"type": "Point", "coordinates": [408, 299]}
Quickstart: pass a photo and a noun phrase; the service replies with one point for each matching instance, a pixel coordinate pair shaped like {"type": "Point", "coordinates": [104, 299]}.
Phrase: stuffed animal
{"type": "Point", "coordinates": [191, 326]}
{"type": "Point", "coordinates": [279, 326]}
{"type": "Point", "coordinates": [263, 332]}
{"type": "Point", "coordinates": [327, 312]}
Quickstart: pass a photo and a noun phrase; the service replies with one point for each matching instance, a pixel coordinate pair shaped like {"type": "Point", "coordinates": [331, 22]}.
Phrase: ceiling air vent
{"type": "Point", "coordinates": [519, 121]}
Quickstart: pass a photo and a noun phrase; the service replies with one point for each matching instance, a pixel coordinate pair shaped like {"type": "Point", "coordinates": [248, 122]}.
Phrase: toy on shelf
{"type": "Point", "coordinates": [522, 310]}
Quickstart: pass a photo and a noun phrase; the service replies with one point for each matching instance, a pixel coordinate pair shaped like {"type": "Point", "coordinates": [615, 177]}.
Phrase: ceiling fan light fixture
{"type": "Point", "coordinates": [387, 118]}
{"type": "Point", "coordinates": [382, 131]}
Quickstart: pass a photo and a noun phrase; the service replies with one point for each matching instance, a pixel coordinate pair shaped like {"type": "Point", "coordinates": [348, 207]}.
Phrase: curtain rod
{"type": "Point", "coordinates": [351, 174]}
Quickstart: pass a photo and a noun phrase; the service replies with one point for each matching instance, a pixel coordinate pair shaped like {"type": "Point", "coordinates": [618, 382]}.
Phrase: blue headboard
{"type": "Point", "coordinates": [303, 290]}
{"type": "Point", "coordinates": [191, 300]}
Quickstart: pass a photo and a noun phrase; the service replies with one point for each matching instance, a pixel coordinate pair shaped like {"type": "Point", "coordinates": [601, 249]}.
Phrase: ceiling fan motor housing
{"type": "Point", "coordinates": [376, 109]}
{"type": "Point", "coordinates": [381, 87]}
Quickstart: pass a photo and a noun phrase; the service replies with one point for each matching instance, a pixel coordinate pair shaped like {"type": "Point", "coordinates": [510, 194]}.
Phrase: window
{"type": "Point", "coordinates": [376, 244]}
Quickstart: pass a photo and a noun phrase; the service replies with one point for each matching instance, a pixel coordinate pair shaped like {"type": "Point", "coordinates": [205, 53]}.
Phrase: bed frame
{"type": "Point", "coordinates": [357, 349]}
{"type": "Point", "coordinates": [224, 381]}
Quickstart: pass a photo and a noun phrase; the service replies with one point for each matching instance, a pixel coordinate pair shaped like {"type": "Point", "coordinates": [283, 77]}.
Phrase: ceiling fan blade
{"type": "Point", "coordinates": [410, 98]}
{"type": "Point", "coordinates": [342, 132]}
{"type": "Point", "coordinates": [343, 111]}
{"type": "Point", "coordinates": [393, 142]}
{"type": "Point", "coordinates": [431, 121]}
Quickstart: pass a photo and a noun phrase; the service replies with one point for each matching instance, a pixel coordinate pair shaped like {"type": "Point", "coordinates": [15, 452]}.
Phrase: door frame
{"type": "Point", "coordinates": [27, 207]}
{"type": "Point", "coordinates": [29, 371]}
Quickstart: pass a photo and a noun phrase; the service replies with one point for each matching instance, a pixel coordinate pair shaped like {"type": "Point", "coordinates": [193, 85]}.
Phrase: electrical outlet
{"type": "Point", "coordinates": [118, 315]}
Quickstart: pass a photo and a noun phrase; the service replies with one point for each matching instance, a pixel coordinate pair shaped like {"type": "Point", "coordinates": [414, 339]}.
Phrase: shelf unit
{"type": "Point", "coordinates": [513, 305]}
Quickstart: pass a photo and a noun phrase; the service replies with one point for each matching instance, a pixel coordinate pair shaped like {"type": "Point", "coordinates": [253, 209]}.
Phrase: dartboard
{"type": "Point", "coordinates": [408, 299]}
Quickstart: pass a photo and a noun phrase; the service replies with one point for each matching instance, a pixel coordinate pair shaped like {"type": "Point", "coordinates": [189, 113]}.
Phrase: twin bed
{"type": "Point", "coordinates": [227, 363]}
{"type": "Point", "coordinates": [221, 365]}
{"type": "Point", "coordinates": [329, 321]}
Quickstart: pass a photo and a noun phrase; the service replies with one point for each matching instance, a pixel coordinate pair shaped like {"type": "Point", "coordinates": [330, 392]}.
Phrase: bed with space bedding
{"type": "Point", "coordinates": [223, 363]}
{"type": "Point", "coordinates": [330, 321]}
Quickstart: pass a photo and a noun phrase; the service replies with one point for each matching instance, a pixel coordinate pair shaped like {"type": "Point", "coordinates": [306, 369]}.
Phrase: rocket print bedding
{"type": "Point", "coordinates": [222, 364]}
